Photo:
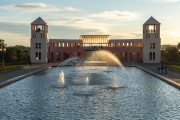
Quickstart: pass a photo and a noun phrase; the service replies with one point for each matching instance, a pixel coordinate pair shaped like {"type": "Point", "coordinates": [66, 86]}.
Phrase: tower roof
{"type": "Point", "coordinates": [39, 21]}
{"type": "Point", "coordinates": [152, 21]}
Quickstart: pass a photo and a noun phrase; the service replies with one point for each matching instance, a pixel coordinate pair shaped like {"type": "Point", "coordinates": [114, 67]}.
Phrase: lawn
{"type": "Point", "coordinates": [11, 68]}
{"type": "Point", "coordinates": [175, 68]}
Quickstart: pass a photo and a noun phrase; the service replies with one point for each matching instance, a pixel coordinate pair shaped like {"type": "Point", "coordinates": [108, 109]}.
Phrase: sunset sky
{"type": "Point", "coordinates": [72, 18]}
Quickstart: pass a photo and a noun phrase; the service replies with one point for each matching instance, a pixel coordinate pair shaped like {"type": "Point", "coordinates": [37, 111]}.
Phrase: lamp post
{"type": "Point", "coordinates": [3, 50]}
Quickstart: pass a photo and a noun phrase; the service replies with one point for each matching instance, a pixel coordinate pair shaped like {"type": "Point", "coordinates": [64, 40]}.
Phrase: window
{"type": "Point", "coordinates": [153, 55]}
{"type": "Point", "coordinates": [37, 58]}
{"type": "Point", "coordinates": [38, 45]}
{"type": "Point", "coordinates": [153, 45]}
{"type": "Point", "coordinates": [151, 29]}
{"type": "Point", "coordinates": [38, 28]}
{"type": "Point", "coordinates": [38, 55]}
{"type": "Point", "coordinates": [150, 55]}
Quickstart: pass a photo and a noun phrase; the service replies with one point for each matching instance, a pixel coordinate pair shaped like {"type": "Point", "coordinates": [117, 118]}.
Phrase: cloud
{"type": "Point", "coordinates": [12, 39]}
{"type": "Point", "coordinates": [124, 35]}
{"type": "Point", "coordinates": [80, 23]}
{"type": "Point", "coordinates": [38, 7]}
{"type": "Point", "coordinates": [116, 15]}
{"type": "Point", "coordinates": [96, 21]}
{"type": "Point", "coordinates": [175, 34]}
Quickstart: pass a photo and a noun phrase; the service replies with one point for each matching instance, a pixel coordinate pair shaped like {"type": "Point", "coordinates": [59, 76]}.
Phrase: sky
{"type": "Point", "coordinates": [69, 19]}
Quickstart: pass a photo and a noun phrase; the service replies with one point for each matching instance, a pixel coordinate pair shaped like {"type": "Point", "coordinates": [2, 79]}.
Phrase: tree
{"type": "Point", "coordinates": [178, 46]}
{"type": "Point", "coordinates": [171, 54]}
{"type": "Point", "coordinates": [17, 55]}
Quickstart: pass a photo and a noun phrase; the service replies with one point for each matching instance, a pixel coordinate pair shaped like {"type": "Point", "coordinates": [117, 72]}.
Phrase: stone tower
{"type": "Point", "coordinates": [151, 41]}
{"type": "Point", "coordinates": [39, 41]}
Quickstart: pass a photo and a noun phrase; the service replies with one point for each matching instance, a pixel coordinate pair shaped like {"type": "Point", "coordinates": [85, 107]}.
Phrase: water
{"type": "Point", "coordinates": [41, 97]}
{"type": "Point", "coordinates": [62, 78]}
{"type": "Point", "coordinates": [104, 55]}
{"type": "Point", "coordinates": [71, 61]}
{"type": "Point", "coordinates": [87, 80]}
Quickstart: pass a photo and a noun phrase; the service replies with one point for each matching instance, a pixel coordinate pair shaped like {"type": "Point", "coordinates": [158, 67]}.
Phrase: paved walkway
{"type": "Point", "coordinates": [152, 67]}
{"type": "Point", "coordinates": [170, 74]}
{"type": "Point", "coordinates": [34, 67]}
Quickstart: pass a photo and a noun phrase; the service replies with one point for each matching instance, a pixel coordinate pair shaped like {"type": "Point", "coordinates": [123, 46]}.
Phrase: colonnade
{"type": "Point", "coordinates": [125, 44]}
{"type": "Point", "coordinates": [65, 44]}
{"type": "Point", "coordinates": [95, 39]}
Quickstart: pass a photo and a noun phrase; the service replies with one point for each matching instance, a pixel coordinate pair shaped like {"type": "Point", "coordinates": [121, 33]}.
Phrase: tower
{"type": "Point", "coordinates": [151, 41]}
{"type": "Point", "coordinates": [39, 41]}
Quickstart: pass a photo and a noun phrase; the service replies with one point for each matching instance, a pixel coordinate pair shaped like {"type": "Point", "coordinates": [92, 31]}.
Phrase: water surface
{"type": "Point", "coordinates": [42, 97]}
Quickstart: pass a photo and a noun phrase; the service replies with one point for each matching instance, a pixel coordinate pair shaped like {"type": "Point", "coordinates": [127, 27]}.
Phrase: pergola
{"type": "Point", "coordinates": [93, 42]}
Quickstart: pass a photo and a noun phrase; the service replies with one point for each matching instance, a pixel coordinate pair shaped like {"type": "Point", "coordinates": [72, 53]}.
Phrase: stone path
{"type": "Point", "coordinates": [34, 67]}
{"type": "Point", "coordinates": [170, 74]}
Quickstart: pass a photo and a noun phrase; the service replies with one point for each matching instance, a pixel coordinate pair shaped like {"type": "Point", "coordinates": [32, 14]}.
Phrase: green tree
{"type": "Point", "coordinates": [171, 54]}
{"type": "Point", "coordinates": [17, 55]}
{"type": "Point", "coordinates": [178, 46]}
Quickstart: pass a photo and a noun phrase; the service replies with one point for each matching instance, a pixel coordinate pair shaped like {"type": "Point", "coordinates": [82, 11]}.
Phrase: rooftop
{"type": "Point", "coordinates": [39, 21]}
{"type": "Point", "coordinates": [95, 36]}
{"type": "Point", "coordinates": [124, 40]}
{"type": "Point", "coordinates": [152, 21]}
{"type": "Point", "coordinates": [66, 40]}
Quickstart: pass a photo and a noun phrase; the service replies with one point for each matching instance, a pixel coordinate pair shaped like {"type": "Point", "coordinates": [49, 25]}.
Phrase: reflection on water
{"type": "Point", "coordinates": [42, 96]}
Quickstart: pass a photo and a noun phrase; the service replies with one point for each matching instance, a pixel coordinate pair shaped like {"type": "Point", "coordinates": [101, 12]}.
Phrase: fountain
{"type": "Point", "coordinates": [96, 58]}
{"type": "Point", "coordinates": [104, 56]}
{"type": "Point", "coordinates": [71, 62]}
{"type": "Point", "coordinates": [80, 92]}
{"type": "Point", "coordinates": [87, 80]}
{"type": "Point", "coordinates": [62, 78]}
{"type": "Point", "coordinates": [115, 84]}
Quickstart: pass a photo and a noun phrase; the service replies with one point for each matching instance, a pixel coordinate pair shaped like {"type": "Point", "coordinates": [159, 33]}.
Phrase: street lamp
{"type": "Point", "coordinates": [3, 51]}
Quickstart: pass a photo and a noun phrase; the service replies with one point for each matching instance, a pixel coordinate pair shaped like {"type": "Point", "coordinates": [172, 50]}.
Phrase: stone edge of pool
{"type": "Point", "coordinates": [7, 82]}
{"type": "Point", "coordinates": [168, 81]}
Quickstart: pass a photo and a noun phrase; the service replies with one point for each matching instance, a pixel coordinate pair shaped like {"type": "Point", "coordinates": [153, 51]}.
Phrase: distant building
{"type": "Point", "coordinates": [146, 50]}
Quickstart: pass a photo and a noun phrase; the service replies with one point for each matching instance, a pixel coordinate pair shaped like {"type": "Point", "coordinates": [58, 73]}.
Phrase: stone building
{"type": "Point", "coordinates": [146, 50]}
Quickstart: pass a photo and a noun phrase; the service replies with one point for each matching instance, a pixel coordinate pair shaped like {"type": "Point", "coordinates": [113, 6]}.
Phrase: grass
{"type": "Point", "coordinates": [11, 68]}
{"type": "Point", "coordinates": [175, 68]}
